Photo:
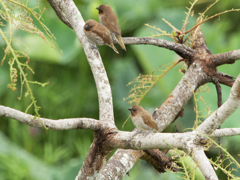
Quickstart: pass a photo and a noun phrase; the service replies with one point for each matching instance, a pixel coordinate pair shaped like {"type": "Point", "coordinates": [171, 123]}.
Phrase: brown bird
{"type": "Point", "coordinates": [142, 119]}
{"type": "Point", "coordinates": [108, 18]}
{"type": "Point", "coordinates": [98, 34]}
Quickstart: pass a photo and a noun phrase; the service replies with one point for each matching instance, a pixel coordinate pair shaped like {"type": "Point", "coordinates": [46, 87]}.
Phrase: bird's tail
{"type": "Point", "coordinates": [119, 38]}
{"type": "Point", "coordinates": [113, 47]}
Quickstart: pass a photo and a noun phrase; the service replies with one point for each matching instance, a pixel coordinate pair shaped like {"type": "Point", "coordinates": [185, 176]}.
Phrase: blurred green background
{"type": "Point", "coordinates": [31, 153]}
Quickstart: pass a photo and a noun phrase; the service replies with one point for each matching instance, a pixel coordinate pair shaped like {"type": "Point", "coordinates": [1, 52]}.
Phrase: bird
{"type": "Point", "coordinates": [108, 18]}
{"type": "Point", "coordinates": [142, 119]}
{"type": "Point", "coordinates": [98, 34]}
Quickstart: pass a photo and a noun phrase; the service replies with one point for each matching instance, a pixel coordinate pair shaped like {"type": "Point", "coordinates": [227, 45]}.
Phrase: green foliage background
{"type": "Point", "coordinates": [31, 153]}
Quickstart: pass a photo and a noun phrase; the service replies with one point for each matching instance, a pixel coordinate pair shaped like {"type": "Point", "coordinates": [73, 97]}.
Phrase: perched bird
{"type": "Point", "coordinates": [142, 119]}
{"type": "Point", "coordinates": [108, 18]}
{"type": "Point", "coordinates": [98, 34]}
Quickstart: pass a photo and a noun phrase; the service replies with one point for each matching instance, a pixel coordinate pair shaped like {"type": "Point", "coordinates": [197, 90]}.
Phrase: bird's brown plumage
{"type": "Point", "coordinates": [108, 18]}
{"type": "Point", "coordinates": [142, 119]}
{"type": "Point", "coordinates": [98, 34]}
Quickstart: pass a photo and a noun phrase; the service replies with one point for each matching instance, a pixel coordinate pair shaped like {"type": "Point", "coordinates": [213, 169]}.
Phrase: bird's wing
{"type": "Point", "coordinates": [103, 32]}
{"type": "Point", "coordinates": [148, 119]}
{"type": "Point", "coordinates": [112, 24]}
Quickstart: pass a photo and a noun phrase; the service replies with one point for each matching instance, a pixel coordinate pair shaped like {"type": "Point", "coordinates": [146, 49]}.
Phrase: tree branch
{"type": "Point", "coordinates": [124, 159]}
{"type": "Point", "coordinates": [59, 13]}
{"type": "Point", "coordinates": [219, 95]}
{"type": "Point", "coordinates": [222, 113]}
{"type": "Point", "coordinates": [61, 124]}
{"type": "Point", "coordinates": [98, 154]}
{"type": "Point", "coordinates": [120, 163]}
{"type": "Point", "coordinates": [159, 160]}
{"type": "Point", "coordinates": [204, 165]}
{"type": "Point", "coordinates": [119, 139]}
{"type": "Point", "coordinates": [192, 79]}
{"type": "Point", "coordinates": [103, 87]}
{"type": "Point", "coordinates": [178, 48]}
{"type": "Point", "coordinates": [224, 79]}
{"type": "Point", "coordinates": [226, 132]}
{"type": "Point", "coordinates": [219, 91]}
{"type": "Point", "coordinates": [96, 158]}
{"type": "Point", "coordinates": [226, 58]}
{"type": "Point", "coordinates": [128, 140]}
{"type": "Point", "coordinates": [108, 137]}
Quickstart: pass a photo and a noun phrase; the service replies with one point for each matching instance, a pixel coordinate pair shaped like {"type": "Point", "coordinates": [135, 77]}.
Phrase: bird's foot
{"type": "Point", "coordinates": [137, 133]}
{"type": "Point", "coordinates": [148, 133]}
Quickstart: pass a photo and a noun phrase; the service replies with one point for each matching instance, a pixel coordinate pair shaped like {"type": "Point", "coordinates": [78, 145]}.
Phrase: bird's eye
{"type": "Point", "coordinates": [100, 11]}
{"type": "Point", "coordinates": [87, 27]}
{"type": "Point", "coordinates": [134, 109]}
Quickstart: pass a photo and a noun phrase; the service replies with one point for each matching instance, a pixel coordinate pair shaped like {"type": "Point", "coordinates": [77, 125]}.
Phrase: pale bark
{"type": "Point", "coordinates": [120, 163]}
{"type": "Point", "coordinates": [94, 59]}
{"type": "Point", "coordinates": [192, 79]}
{"type": "Point", "coordinates": [222, 113]}
{"type": "Point", "coordinates": [107, 136]}
{"type": "Point", "coordinates": [60, 124]}
{"type": "Point", "coordinates": [95, 159]}
{"type": "Point", "coordinates": [59, 13]}
{"type": "Point", "coordinates": [203, 163]}
{"type": "Point", "coordinates": [151, 141]}
{"type": "Point", "coordinates": [226, 132]}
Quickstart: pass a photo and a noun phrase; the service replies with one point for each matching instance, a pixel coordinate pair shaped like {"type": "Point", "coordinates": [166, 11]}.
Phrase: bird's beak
{"type": "Point", "coordinates": [97, 8]}
{"type": "Point", "coordinates": [130, 109]}
{"type": "Point", "coordinates": [86, 27]}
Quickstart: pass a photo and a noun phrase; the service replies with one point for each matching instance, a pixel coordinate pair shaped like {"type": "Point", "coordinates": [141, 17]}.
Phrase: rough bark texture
{"type": "Point", "coordinates": [97, 156]}
{"type": "Point", "coordinates": [120, 163]}
{"type": "Point", "coordinates": [193, 78]}
{"type": "Point", "coordinates": [60, 124]}
{"type": "Point", "coordinates": [222, 113]}
{"type": "Point", "coordinates": [103, 87]}
{"type": "Point", "coordinates": [202, 68]}
{"type": "Point", "coordinates": [178, 48]}
{"type": "Point", "coordinates": [226, 58]}
{"type": "Point", "coordinates": [203, 163]}
{"type": "Point", "coordinates": [226, 132]}
{"type": "Point", "coordinates": [59, 13]}
{"type": "Point", "coordinates": [159, 160]}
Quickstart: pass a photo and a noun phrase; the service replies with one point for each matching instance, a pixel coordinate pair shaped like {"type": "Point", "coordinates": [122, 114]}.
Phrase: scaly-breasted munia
{"type": "Point", "coordinates": [142, 119]}
{"type": "Point", "coordinates": [98, 34]}
{"type": "Point", "coordinates": [108, 18]}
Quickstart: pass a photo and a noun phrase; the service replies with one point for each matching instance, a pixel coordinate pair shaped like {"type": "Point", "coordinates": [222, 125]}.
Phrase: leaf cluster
{"type": "Point", "coordinates": [17, 15]}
